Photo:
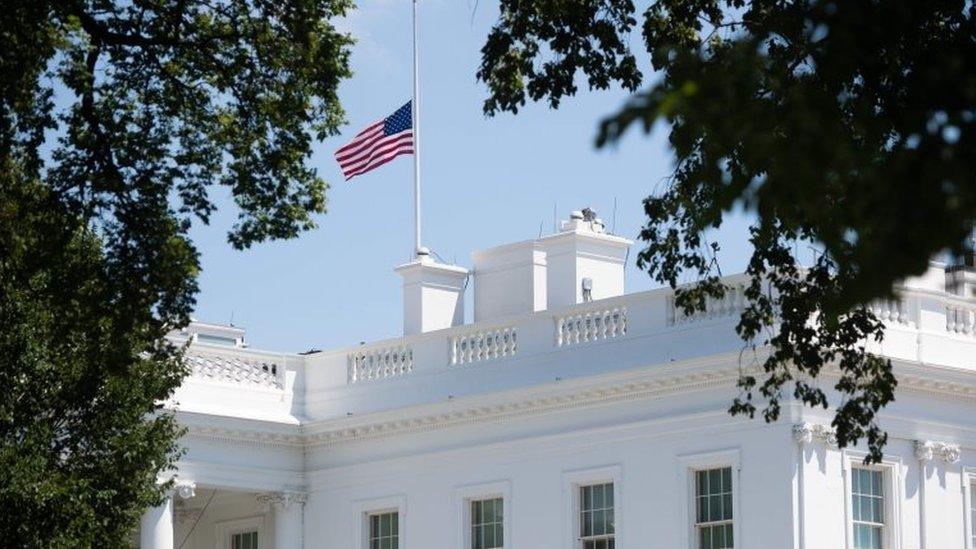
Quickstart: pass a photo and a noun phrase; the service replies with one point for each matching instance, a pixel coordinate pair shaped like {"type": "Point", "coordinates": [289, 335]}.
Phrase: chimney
{"type": "Point", "coordinates": [960, 277]}
{"type": "Point", "coordinates": [583, 262]}
{"type": "Point", "coordinates": [433, 294]}
{"type": "Point", "coordinates": [580, 263]}
{"type": "Point", "coordinates": [509, 280]}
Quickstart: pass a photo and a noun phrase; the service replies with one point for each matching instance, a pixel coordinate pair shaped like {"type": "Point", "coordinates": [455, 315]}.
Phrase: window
{"type": "Point", "coordinates": [242, 533]}
{"type": "Point", "coordinates": [868, 507]}
{"type": "Point", "coordinates": [384, 530]}
{"type": "Point", "coordinates": [484, 515]}
{"type": "Point", "coordinates": [713, 508]}
{"type": "Point", "coordinates": [596, 516]}
{"type": "Point", "coordinates": [487, 523]}
{"type": "Point", "coordinates": [244, 540]}
{"type": "Point", "coordinates": [972, 513]}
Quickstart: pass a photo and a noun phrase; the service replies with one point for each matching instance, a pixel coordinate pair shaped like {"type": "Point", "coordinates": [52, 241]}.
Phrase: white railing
{"type": "Point", "coordinates": [733, 303]}
{"type": "Point", "coordinates": [235, 368]}
{"type": "Point", "coordinates": [960, 318]}
{"type": "Point", "coordinates": [894, 311]}
{"type": "Point", "coordinates": [619, 319]}
{"type": "Point", "coordinates": [591, 325]}
{"type": "Point", "coordinates": [380, 363]}
{"type": "Point", "coordinates": [484, 345]}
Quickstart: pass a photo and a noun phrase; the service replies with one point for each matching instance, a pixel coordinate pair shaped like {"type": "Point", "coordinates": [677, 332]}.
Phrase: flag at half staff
{"type": "Point", "coordinates": [378, 144]}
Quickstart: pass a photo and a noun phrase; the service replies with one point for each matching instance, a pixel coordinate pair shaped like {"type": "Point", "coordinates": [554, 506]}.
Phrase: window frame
{"type": "Point", "coordinates": [688, 466]}
{"type": "Point", "coordinates": [248, 532]}
{"type": "Point", "coordinates": [573, 482]}
{"type": "Point", "coordinates": [893, 478]}
{"type": "Point", "coordinates": [465, 495]}
{"type": "Point", "coordinates": [226, 529]}
{"type": "Point", "coordinates": [969, 511]}
{"type": "Point", "coordinates": [885, 524]}
{"type": "Point", "coordinates": [364, 509]}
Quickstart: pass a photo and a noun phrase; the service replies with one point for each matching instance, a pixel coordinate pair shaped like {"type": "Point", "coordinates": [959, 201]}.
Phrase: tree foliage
{"type": "Point", "coordinates": [117, 122]}
{"type": "Point", "coordinates": [845, 124]}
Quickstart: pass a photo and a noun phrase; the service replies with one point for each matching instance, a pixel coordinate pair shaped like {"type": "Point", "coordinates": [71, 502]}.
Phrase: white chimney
{"type": "Point", "coordinates": [583, 262]}
{"type": "Point", "coordinates": [579, 263]}
{"type": "Point", "coordinates": [509, 280]}
{"type": "Point", "coordinates": [433, 295]}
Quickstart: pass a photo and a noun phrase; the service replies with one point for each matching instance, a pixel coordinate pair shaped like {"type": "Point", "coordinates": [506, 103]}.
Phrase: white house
{"type": "Point", "coordinates": [569, 415]}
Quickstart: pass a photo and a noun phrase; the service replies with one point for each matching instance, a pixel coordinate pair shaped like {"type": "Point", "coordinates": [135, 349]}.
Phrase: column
{"type": "Point", "coordinates": [289, 509]}
{"type": "Point", "coordinates": [819, 519]}
{"type": "Point", "coordinates": [939, 506]}
{"type": "Point", "coordinates": [156, 530]}
{"type": "Point", "coordinates": [156, 526]}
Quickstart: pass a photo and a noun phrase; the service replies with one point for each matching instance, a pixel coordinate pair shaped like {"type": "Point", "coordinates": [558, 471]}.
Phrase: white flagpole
{"type": "Point", "coordinates": [415, 111]}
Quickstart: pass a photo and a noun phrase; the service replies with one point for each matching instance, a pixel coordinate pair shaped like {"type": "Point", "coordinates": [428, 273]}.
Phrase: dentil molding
{"type": "Point", "coordinates": [620, 388]}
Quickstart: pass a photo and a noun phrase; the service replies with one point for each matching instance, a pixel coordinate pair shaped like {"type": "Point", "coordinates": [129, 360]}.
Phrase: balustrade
{"type": "Point", "coordinates": [235, 368]}
{"type": "Point", "coordinates": [893, 311]}
{"type": "Point", "coordinates": [591, 325]}
{"type": "Point", "coordinates": [960, 319]}
{"type": "Point", "coordinates": [380, 363]}
{"type": "Point", "coordinates": [484, 345]}
{"type": "Point", "coordinates": [732, 303]}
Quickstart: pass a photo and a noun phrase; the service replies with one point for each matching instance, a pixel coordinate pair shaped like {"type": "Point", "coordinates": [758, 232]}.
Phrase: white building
{"type": "Point", "coordinates": [569, 415]}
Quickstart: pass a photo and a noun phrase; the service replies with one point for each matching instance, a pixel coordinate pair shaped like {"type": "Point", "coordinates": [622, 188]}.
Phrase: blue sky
{"type": "Point", "coordinates": [486, 181]}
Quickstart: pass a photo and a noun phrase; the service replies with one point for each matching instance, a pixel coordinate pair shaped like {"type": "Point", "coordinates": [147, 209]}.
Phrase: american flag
{"type": "Point", "coordinates": [378, 144]}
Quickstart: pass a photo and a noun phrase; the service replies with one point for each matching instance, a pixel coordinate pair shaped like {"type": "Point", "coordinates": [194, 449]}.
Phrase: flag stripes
{"type": "Point", "coordinates": [377, 144]}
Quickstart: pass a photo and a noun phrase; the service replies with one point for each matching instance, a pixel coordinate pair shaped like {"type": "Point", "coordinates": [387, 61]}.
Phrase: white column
{"type": "Point", "coordinates": [936, 524]}
{"type": "Point", "coordinates": [156, 530]}
{"type": "Point", "coordinates": [156, 526]}
{"type": "Point", "coordinates": [289, 509]}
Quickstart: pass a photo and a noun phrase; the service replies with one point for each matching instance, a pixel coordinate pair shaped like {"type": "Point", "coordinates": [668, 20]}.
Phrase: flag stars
{"type": "Point", "coordinates": [399, 121]}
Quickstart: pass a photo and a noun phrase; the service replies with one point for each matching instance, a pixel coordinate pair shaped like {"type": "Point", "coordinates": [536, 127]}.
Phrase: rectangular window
{"type": "Point", "coordinates": [713, 508]}
{"type": "Point", "coordinates": [384, 530]}
{"type": "Point", "coordinates": [972, 513]}
{"type": "Point", "coordinates": [596, 516]}
{"type": "Point", "coordinates": [244, 540]}
{"type": "Point", "coordinates": [868, 508]}
{"type": "Point", "coordinates": [487, 524]}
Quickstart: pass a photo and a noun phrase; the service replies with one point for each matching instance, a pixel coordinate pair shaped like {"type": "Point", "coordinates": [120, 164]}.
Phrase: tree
{"type": "Point", "coordinates": [117, 120]}
{"type": "Point", "coordinates": [845, 124]}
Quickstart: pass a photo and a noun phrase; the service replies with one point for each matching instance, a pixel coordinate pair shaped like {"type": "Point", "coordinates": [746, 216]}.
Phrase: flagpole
{"type": "Point", "coordinates": [415, 111]}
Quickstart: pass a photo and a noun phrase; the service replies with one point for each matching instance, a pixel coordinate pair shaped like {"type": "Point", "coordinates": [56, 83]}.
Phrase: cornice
{"type": "Point", "coordinates": [246, 436]}
{"type": "Point", "coordinates": [476, 410]}
{"type": "Point", "coordinates": [952, 389]}
{"type": "Point", "coordinates": [643, 383]}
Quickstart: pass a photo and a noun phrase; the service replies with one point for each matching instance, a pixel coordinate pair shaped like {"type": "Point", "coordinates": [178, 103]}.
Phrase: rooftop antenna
{"type": "Point", "coordinates": [613, 227]}
{"type": "Point", "coordinates": [554, 229]}
{"type": "Point", "coordinates": [232, 317]}
{"type": "Point", "coordinates": [541, 223]}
